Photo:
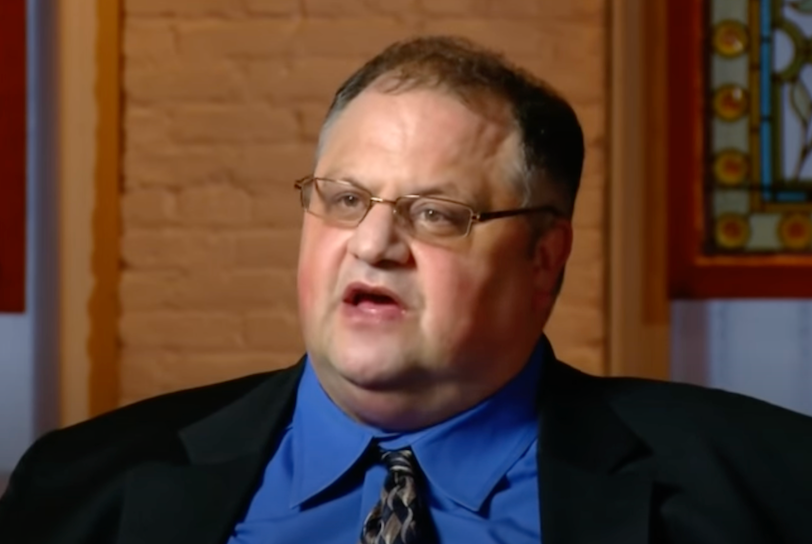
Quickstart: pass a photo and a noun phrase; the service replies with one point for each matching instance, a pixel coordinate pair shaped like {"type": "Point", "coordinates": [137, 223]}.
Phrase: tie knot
{"type": "Point", "coordinates": [399, 461]}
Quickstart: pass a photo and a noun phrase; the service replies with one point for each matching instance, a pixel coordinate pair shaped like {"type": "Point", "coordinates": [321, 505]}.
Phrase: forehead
{"type": "Point", "coordinates": [418, 134]}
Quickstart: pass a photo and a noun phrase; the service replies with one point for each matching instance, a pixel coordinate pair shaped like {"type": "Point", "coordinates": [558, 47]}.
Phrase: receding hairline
{"type": "Point", "coordinates": [551, 149]}
{"type": "Point", "coordinates": [481, 102]}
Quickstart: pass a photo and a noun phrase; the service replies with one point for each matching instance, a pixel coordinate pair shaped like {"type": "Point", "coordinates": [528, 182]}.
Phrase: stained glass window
{"type": "Point", "coordinates": [758, 176]}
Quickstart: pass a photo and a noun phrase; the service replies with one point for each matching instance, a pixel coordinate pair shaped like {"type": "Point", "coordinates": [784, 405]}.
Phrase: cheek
{"type": "Point", "coordinates": [473, 295]}
{"type": "Point", "coordinates": [319, 261]}
{"type": "Point", "coordinates": [453, 289]}
{"type": "Point", "coordinates": [304, 282]}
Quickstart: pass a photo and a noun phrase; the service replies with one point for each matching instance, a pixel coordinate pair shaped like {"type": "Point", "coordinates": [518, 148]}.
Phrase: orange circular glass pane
{"type": "Point", "coordinates": [730, 38]}
{"type": "Point", "coordinates": [795, 231]}
{"type": "Point", "coordinates": [732, 231]}
{"type": "Point", "coordinates": [730, 102]}
{"type": "Point", "coordinates": [731, 167]}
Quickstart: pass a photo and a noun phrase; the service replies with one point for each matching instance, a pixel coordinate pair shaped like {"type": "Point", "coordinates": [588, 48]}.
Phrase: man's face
{"type": "Point", "coordinates": [393, 323]}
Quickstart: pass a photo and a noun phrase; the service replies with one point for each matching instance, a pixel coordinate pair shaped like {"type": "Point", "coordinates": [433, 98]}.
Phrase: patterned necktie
{"type": "Point", "coordinates": [400, 516]}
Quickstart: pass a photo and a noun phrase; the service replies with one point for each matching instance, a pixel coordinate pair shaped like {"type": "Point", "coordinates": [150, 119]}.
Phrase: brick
{"type": "Point", "coordinates": [218, 205]}
{"type": "Point", "coordinates": [142, 373]}
{"type": "Point", "coordinates": [573, 324]}
{"type": "Point", "coordinates": [588, 247]}
{"type": "Point", "coordinates": [590, 207]}
{"type": "Point", "coordinates": [245, 361]}
{"type": "Point", "coordinates": [593, 123]}
{"type": "Point", "coordinates": [333, 8]}
{"type": "Point", "coordinates": [260, 168]}
{"type": "Point", "coordinates": [276, 331]}
{"type": "Point", "coordinates": [279, 207]}
{"type": "Point", "coordinates": [273, 7]}
{"type": "Point", "coordinates": [311, 119]}
{"type": "Point", "coordinates": [406, 9]}
{"type": "Point", "coordinates": [586, 281]}
{"type": "Point", "coordinates": [541, 64]}
{"type": "Point", "coordinates": [145, 128]}
{"type": "Point", "coordinates": [314, 79]}
{"type": "Point", "coordinates": [184, 8]}
{"type": "Point", "coordinates": [236, 291]}
{"type": "Point", "coordinates": [180, 330]}
{"type": "Point", "coordinates": [139, 357]}
{"type": "Point", "coordinates": [349, 38]}
{"type": "Point", "coordinates": [518, 8]}
{"type": "Point", "coordinates": [578, 90]}
{"type": "Point", "coordinates": [591, 360]}
{"type": "Point", "coordinates": [584, 12]}
{"type": "Point", "coordinates": [267, 249]}
{"type": "Point", "coordinates": [147, 42]}
{"type": "Point", "coordinates": [512, 37]}
{"type": "Point", "coordinates": [452, 7]}
{"type": "Point", "coordinates": [197, 368]}
{"type": "Point", "coordinates": [355, 8]}
{"type": "Point", "coordinates": [146, 290]}
{"type": "Point", "coordinates": [148, 207]}
{"type": "Point", "coordinates": [525, 37]}
{"type": "Point", "coordinates": [146, 372]}
{"type": "Point", "coordinates": [233, 124]}
{"type": "Point", "coordinates": [595, 164]}
{"type": "Point", "coordinates": [176, 250]}
{"type": "Point", "coordinates": [245, 38]}
{"type": "Point", "coordinates": [262, 75]}
{"type": "Point", "coordinates": [182, 83]}
{"type": "Point", "coordinates": [175, 168]}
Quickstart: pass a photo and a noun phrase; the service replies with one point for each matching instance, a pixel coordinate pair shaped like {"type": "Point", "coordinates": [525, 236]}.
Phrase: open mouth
{"type": "Point", "coordinates": [366, 296]}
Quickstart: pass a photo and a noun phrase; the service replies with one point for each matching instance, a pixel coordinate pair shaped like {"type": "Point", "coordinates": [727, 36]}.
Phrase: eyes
{"type": "Point", "coordinates": [439, 214]}
{"type": "Point", "coordinates": [423, 210]}
{"type": "Point", "coordinates": [348, 200]}
{"type": "Point", "coordinates": [347, 204]}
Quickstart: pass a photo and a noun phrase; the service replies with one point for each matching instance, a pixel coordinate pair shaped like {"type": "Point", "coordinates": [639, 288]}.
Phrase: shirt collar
{"type": "Point", "coordinates": [464, 457]}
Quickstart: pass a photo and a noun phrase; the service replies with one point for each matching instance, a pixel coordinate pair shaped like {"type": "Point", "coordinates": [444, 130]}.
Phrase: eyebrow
{"type": "Point", "coordinates": [440, 189]}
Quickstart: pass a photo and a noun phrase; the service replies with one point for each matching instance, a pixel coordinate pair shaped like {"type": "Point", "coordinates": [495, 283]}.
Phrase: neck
{"type": "Point", "coordinates": [422, 402]}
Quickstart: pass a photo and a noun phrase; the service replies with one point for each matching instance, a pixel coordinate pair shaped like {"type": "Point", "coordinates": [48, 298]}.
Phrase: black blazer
{"type": "Point", "coordinates": [621, 461]}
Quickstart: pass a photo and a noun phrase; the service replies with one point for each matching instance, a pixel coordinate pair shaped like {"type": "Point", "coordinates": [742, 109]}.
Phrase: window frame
{"type": "Point", "coordinates": [691, 273]}
{"type": "Point", "coordinates": [13, 148]}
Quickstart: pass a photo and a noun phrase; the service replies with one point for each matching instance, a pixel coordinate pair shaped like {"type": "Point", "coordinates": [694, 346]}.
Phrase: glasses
{"type": "Point", "coordinates": [345, 204]}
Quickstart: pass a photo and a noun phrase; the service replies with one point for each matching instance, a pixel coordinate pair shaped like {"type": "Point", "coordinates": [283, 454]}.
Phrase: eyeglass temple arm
{"type": "Point", "coordinates": [487, 216]}
{"type": "Point", "coordinates": [299, 182]}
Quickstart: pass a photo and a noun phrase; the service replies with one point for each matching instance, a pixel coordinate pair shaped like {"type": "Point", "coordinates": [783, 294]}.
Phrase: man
{"type": "Point", "coordinates": [429, 407]}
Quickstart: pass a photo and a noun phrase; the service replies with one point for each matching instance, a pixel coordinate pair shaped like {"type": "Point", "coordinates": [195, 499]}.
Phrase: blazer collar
{"type": "Point", "coordinates": [593, 477]}
{"type": "Point", "coordinates": [201, 500]}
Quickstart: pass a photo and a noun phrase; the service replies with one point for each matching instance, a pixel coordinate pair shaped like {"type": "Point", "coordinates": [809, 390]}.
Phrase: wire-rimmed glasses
{"type": "Point", "coordinates": [346, 204]}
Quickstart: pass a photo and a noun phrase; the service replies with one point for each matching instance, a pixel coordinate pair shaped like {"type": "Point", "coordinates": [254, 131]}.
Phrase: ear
{"type": "Point", "coordinates": [550, 254]}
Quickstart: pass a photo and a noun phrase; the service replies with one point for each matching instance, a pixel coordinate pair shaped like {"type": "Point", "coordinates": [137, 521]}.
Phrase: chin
{"type": "Point", "coordinates": [373, 368]}
{"type": "Point", "coordinates": [368, 372]}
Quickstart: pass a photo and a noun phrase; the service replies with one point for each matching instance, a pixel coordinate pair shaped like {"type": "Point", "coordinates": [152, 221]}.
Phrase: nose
{"type": "Point", "coordinates": [377, 239]}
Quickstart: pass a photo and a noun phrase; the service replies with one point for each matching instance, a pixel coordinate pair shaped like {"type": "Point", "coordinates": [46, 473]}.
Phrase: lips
{"type": "Point", "coordinates": [360, 294]}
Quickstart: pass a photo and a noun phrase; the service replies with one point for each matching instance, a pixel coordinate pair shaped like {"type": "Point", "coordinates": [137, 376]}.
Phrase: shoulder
{"type": "Point", "coordinates": [143, 430]}
{"type": "Point", "coordinates": [693, 413]}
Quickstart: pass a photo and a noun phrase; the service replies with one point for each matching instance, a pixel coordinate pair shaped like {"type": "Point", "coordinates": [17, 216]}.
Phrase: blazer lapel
{"type": "Point", "coordinates": [201, 501]}
{"type": "Point", "coordinates": [593, 484]}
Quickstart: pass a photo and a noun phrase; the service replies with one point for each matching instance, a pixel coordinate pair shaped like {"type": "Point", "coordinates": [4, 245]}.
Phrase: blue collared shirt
{"type": "Point", "coordinates": [480, 467]}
